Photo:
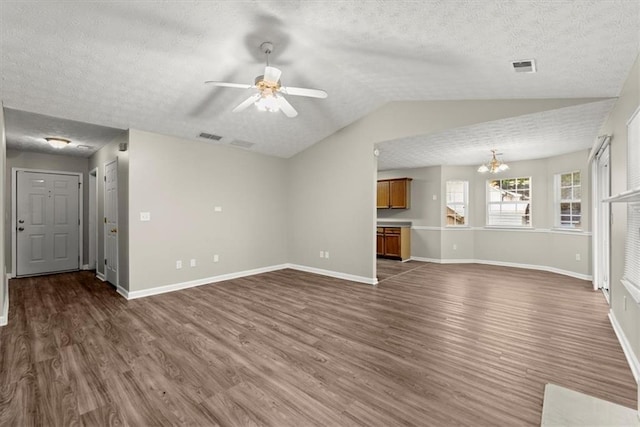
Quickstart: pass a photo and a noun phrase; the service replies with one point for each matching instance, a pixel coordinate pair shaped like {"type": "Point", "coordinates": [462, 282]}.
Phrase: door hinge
{"type": "Point", "coordinates": [105, 178]}
{"type": "Point", "coordinates": [105, 261]}
{"type": "Point", "coordinates": [78, 221]}
{"type": "Point", "coordinates": [79, 185]}
{"type": "Point", "coordinates": [105, 219]}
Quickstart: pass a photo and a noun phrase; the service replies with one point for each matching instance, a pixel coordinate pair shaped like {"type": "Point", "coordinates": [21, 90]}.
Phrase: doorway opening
{"type": "Point", "coordinates": [92, 263]}
{"type": "Point", "coordinates": [601, 179]}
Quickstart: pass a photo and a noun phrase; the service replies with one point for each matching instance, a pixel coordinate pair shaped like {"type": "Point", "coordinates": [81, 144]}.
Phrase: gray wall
{"type": "Point", "coordinates": [4, 295]}
{"type": "Point", "coordinates": [107, 154]}
{"type": "Point", "coordinates": [30, 160]}
{"type": "Point", "coordinates": [539, 247]}
{"type": "Point", "coordinates": [180, 182]}
{"type": "Point", "coordinates": [332, 190]}
{"type": "Point", "coordinates": [616, 126]}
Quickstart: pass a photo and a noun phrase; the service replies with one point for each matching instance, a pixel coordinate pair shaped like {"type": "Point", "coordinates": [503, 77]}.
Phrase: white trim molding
{"type": "Point", "coordinates": [198, 282]}
{"type": "Point", "coordinates": [335, 274]}
{"type": "Point", "coordinates": [634, 364]}
{"type": "Point", "coordinates": [4, 317]}
{"type": "Point", "coordinates": [507, 229]}
{"type": "Point", "coordinates": [100, 276]}
{"type": "Point", "coordinates": [129, 295]}
{"type": "Point", "coordinates": [506, 264]}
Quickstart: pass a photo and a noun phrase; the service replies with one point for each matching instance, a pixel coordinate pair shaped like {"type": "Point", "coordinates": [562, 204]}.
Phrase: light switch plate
{"type": "Point", "coordinates": [145, 216]}
{"type": "Point", "coordinates": [217, 209]}
{"type": "Point", "coordinates": [192, 263]}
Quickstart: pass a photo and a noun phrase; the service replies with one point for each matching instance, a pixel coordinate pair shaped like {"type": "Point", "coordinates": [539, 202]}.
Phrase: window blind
{"type": "Point", "coordinates": [632, 249]}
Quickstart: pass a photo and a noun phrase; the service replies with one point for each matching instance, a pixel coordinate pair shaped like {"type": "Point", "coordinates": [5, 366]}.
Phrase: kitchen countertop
{"type": "Point", "coordinates": [401, 224]}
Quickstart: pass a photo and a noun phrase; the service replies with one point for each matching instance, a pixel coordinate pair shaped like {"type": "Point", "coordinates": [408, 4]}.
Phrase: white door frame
{"type": "Point", "coordinates": [601, 217]}
{"type": "Point", "coordinates": [104, 208]}
{"type": "Point", "coordinates": [93, 219]}
{"type": "Point", "coordinates": [14, 212]}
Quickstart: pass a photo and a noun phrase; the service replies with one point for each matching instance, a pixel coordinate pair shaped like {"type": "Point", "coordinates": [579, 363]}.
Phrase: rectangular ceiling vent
{"type": "Point", "coordinates": [524, 66]}
{"type": "Point", "coordinates": [241, 144]}
{"type": "Point", "coordinates": [210, 136]}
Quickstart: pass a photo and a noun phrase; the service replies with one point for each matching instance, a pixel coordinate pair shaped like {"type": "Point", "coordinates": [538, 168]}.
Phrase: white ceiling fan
{"type": "Point", "coordinates": [270, 92]}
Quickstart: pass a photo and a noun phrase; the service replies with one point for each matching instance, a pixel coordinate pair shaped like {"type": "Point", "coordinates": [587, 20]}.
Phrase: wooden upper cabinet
{"type": "Point", "coordinates": [394, 193]}
{"type": "Point", "coordinates": [383, 195]}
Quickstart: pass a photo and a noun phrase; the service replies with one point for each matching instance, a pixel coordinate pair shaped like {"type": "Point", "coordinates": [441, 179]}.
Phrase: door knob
{"type": "Point", "coordinates": [20, 228]}
{"type": "Point", "coordinates": [21, 221]}
{"type": "Point", "coordinates": [114, 230]}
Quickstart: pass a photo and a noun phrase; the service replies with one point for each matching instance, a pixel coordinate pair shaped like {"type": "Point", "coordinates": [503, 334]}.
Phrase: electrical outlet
{"type": "Point", "coordinates": [216, 258]}
{"type": "Point", "coordinates": [178, 265]}
{"type": "Point", "coordinates": [192, 263]}
{"type": "Point", "coordinates": [321, 254]}
{"type": "Point", "coordinates": [326, 254]}
{"type": "Point", "coordinates": [578, 257]}
{"type": "Point", "coordinates": [455, 247]}
{"type": "Point", "coordinates": [217, 209]}
{"type": "Point", "coordinates": [145, 216]}
{"type": "Point", "coordinates": [435, 197]}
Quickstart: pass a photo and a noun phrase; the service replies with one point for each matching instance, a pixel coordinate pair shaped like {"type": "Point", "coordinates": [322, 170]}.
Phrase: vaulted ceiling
{"type": "Point", "coordinates": [143, 65]}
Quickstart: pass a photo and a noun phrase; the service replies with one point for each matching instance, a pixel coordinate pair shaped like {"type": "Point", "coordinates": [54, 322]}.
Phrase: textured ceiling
{"type": "Point", "coordinates": [142, 64]}
{"type": "Point", "coordinates": [26, 132]}
{"type": "Point", "coordinates": [531, 136]}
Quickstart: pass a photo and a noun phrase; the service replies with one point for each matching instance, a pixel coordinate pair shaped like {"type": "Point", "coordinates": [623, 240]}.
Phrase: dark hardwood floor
{"type": "Point", "coordinates": [431, 345]}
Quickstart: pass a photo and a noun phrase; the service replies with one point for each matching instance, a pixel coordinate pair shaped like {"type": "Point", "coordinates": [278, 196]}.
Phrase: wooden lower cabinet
{"type": "Point", "coordinates": [393, 242]}
{"type": "Point", "coordinates": [380, 241]}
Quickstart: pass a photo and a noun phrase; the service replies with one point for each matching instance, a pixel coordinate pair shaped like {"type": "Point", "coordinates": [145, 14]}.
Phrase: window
{"type": "Point", "coordinates": [457, 200]}
{"type": "Point", "coordinates": [568, 207]}
{"type": "Point", "coordinates": [509, 202]}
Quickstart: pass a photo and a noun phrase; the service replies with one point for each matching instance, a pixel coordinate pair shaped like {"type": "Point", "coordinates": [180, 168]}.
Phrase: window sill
{"type": "Point", "coordinates": [498, 227]}
{"type": "Point", "coordinates": [632, 289]}
{"type": "Point", "coordinates": [567, 229]}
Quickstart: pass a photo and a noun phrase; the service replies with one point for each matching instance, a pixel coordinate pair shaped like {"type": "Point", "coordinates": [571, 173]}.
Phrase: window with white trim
{"type": "Point", "coordinates": [457, 193]}
{"type": "Point", "coordinates": [509, 202]}
{"type": "Point", "coordinates": [568, 203]}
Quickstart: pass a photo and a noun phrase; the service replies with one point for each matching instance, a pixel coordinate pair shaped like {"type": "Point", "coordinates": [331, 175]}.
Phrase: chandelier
{"type": "Point", "coordinates": [494, 165]}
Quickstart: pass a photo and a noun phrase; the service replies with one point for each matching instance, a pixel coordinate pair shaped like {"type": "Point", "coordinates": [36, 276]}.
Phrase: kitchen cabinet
{"type": "Point", "coordinates": [394, 193]}
{"type": "Point", "coordinates": [393, 242]}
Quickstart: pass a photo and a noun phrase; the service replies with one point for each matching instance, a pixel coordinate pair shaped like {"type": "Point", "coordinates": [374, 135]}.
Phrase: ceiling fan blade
{"type": "Point", "coordinates": [272, 74]}
{"type": "Point", "coordinates": [225, 84]}
{"type": "Point", "coordinates": [301, 91]}
{"type": "Point", "coordinates": [246, 103]}
{"type": "Point", "coordinates": [286, 108]}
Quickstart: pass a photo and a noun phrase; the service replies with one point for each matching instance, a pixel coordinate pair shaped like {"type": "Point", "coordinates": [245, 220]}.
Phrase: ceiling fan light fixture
{"type": "Point", "coordinates": [268, 103]}
{"type": "Point", "coordinates": [494, 165]}
{"type": "Point", "coordinates": [57, 142]}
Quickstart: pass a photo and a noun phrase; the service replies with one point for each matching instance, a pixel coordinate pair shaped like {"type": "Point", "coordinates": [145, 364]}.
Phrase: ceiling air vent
{"type": "Point", "coordinates": [524, 66]}
{"type": "Point", "coordinates": [210, 136]}
{"type": "Point", "coordinates": [241, 144]}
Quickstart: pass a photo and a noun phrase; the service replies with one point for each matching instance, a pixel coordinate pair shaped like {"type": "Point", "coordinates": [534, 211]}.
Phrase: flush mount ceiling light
{"type": "Point", "coordinates": [57, 142]}
{"type": "Point", "coordinates": [494, 165]}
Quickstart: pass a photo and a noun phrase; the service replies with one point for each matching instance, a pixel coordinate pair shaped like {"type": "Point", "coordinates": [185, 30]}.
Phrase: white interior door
{"type": "Point", "coordinates": [47, 223]}
{"type": "Point", "coordinates": [111, 221]}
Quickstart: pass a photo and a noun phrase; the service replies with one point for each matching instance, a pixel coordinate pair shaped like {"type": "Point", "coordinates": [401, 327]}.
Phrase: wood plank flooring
{"type": "Point", "coordinates": [430, 345]}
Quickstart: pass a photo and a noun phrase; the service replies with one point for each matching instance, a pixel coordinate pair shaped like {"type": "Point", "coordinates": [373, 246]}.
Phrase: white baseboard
{"type": "Point", "coordinates": [122, 291]}
{"type": "Point", "coordinates": [199, 282]}
{"type": "Point", "coordinates": [507, 264]}
{"type": "Point", "coordinates": [101, 276]}
{"type": "Point", "coordinates": [336, 274]}
{"type": "Point", "coordinates": [214, 279]}
{"type": "Point", "coordinates": [4, 317]}
{"type": "Point", "coordinates": [84, 267]}
{"type": "Point", "coordinates": [634, 364]}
